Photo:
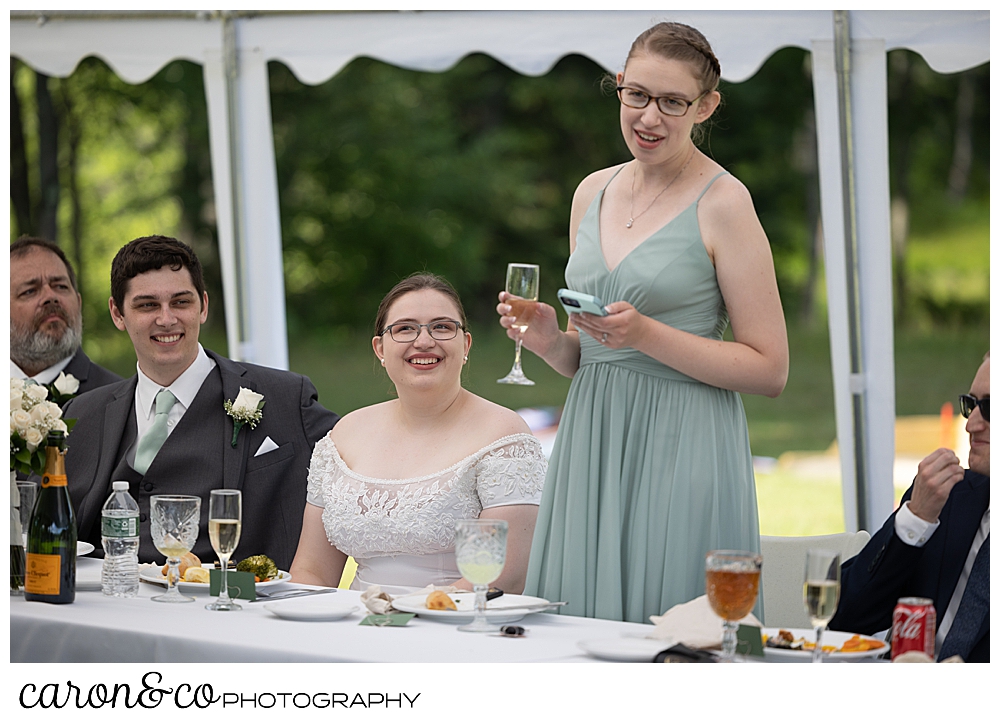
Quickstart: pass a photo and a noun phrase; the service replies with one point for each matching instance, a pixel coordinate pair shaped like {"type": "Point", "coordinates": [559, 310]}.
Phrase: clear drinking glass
{"type": "Point", "coordinates": [27, 491]}
{"type": "Point", "coordinates": [821, 592]}
{"type": "Point", "coordinates": [173, 523]}
{"type": "Point", "coordinates": [732, 578]}
{"type": "Point", "coordinates": [522, 284]}
{"type": "Point", "coordinates": [225, 520]}
{"type": "Point", "coordinates": [480, 551]}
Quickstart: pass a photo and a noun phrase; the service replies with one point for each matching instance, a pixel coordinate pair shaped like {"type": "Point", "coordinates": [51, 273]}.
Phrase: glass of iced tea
{"type": "Point", "coordinates": [732, 578]}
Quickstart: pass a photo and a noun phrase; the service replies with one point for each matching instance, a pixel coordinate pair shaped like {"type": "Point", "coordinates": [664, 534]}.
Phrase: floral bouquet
{"type": "Point", "coordinates": [32, 417]}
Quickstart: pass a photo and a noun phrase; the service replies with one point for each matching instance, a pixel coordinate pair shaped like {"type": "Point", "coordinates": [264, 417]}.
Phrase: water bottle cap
{"type": "Point", "coordinates": [119, 486]}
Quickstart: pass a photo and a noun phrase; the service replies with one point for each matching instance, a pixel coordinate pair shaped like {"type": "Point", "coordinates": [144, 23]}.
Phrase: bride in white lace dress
{"type": "Point", "coordinates": [388, 483]}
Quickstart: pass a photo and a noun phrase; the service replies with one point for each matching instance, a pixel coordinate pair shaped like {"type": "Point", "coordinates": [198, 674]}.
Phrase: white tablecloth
{"type": "Point", "coordinates": [99, 629]}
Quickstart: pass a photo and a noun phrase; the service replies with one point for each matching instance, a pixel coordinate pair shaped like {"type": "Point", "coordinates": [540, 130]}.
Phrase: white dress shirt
{"type": "Point", "coordinates": [46, 376]}
{"type": "Point", "coordinates": [185, 389]}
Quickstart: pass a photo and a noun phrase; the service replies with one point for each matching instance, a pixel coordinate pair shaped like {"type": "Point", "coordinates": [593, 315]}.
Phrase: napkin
{"type": "Point", "coordinates": [380, 603]}
{"type": "Point", "coordinates": [692, 623]}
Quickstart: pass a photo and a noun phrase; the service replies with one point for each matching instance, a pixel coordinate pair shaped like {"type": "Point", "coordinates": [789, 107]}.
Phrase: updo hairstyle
{"type": "Point", "coordinates": [676, 41]}
{"type": "Point", "coordinates": [418, 282]}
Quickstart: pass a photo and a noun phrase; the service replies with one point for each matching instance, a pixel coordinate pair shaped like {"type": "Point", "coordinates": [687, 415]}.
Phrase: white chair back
{"type": "Point", "coordinates": [784, 566]}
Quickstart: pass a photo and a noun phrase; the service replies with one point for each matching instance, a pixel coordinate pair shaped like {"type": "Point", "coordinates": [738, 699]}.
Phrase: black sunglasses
{"type": "Point", "coordinates": [967, 402]}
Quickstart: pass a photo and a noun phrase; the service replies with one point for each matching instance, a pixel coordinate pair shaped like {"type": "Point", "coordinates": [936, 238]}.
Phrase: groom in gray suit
{"type": "Point", "coordinates": [166, 430]}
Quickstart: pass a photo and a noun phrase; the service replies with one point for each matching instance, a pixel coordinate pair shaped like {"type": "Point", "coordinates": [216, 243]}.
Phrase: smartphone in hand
{"type": "Point", "coordinates": [575, 301]}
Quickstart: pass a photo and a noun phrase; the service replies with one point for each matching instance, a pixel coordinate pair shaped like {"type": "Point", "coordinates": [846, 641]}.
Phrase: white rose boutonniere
{"type": "Point", "coordinates": [247, 409]}
{"type": "Point", "coordinates": [63, 388]}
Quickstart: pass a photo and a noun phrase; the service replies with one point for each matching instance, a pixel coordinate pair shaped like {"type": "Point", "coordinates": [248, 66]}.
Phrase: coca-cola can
{"type": "Point", "coordinates": [914, 625]}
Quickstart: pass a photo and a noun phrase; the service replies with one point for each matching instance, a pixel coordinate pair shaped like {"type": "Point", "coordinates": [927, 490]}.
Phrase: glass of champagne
{"type": "Point", "coordinates": [821, 592]}
{"type": "Point", "coordinates": [224, 524]}
{"type": "Point", "coordinates": [173, 523]}
{"type": "Point", "coordinates": [732, 578]}
{"type": "Point", "coordinates": [522, 285]}
{"type": "Point", "coordinates": [480, 551]}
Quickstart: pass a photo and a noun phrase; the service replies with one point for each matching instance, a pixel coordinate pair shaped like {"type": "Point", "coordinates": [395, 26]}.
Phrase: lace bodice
{"type": "Point", "coordinates": [366, 517]}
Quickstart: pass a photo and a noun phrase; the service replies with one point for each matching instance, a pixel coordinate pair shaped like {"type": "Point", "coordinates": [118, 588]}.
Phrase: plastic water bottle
{"type": "Point", "coordinates": [120, 537]}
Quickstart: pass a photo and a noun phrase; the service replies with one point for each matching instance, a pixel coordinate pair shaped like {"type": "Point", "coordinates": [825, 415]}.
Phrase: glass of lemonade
{"type": "Point", "coordinates": [821, 592]}
{"type": "Point", "coordinates": [173, 523]}
{"type": "Point", "coordinates": [480, 552]}
{"type": "Point", "coordinates": [732, 578]}
{"type": "Point", "coordinates": [225, 519]}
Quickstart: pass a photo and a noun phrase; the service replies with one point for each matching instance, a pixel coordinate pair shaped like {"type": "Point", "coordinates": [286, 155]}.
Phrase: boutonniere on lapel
{"type": "Point", "coordinates": [63, 388]}
{"type": "Point", "coordinates": [247, 409]}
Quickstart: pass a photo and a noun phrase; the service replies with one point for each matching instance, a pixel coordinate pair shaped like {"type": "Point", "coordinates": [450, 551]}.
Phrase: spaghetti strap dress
{"type": "Point", "coordinates": [651, 469]}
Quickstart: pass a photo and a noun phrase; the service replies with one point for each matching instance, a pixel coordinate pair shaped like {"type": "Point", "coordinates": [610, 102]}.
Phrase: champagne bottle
{"type": "Point", "coordinates": [51, 560]}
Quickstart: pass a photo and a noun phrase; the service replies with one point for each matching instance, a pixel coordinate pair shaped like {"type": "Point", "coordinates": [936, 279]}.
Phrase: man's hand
{"type": "Point", "coordinates": [937, 473]}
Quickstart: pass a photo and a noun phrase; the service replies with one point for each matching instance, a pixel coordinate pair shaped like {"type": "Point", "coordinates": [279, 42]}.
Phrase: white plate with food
{"type": "Point", "coordinates": [625, 650]}
{"type": "Point", "coordinates": [833, 641]}
{"type": "Point", "coordinates": [504, 609]}
{"type": "Point", "coordinates": [323, 608]}
{"type": "Point", "coordinates": [83, 548]}
{"type": "Point", "coordinates": [153, 574]}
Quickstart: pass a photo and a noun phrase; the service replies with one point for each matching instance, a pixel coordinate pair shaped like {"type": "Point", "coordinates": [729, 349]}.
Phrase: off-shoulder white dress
{"type": "Point", "coordinates": [401, 532]}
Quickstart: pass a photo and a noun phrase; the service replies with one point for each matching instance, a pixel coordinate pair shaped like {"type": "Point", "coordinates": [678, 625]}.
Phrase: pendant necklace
{"type": "Point", "coordinates": [631, 204]}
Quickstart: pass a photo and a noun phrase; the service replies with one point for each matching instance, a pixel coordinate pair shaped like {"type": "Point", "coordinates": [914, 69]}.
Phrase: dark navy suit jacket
{"type": "Point", "coordinates": [888, 569]}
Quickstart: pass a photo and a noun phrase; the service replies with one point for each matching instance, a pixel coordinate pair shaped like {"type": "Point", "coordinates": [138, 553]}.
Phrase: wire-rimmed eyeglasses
{"type": "Point", "coordinates": [407, 331]}
{"type": "Point", "coordinates": [668, 104]}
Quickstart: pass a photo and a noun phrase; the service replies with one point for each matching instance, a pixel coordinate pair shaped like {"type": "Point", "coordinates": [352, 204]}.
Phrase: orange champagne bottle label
{"type": "Point", "coordinates": [42, 574]}
{"type": "Point", "coordinates": [54, 480]}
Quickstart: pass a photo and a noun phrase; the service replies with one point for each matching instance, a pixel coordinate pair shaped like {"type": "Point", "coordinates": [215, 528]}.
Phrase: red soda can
{"type": "Point", "coordinates": [914, 625]}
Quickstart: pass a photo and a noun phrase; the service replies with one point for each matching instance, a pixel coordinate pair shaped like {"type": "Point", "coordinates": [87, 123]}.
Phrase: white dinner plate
{"type": "Point", "coordinates": [152, 574]}
{"type": "Point", "coordinates": [830, 637]}
{"type": "Point", "coordinates": [88, 574]}
{"type": "Point", "coordinates": [322, 607]}
{"type": "Point", "coordinates": [83, 548]}
{"type": "Point", "coordinates": [504, 609]}
{"type": "Point", "coordinates": [625, 650]}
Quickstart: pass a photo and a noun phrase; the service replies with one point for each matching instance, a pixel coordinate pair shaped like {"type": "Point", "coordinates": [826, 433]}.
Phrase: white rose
{"type": "Point", "coordinates": [20, 420]}
{"type": "Point", "coordinates": [40, 416]}
{"type": "Point", "coordinates": [36, 392]}
{"type": "Point", "coordinates": [55, 411]}
{"type": "Point", "coordinates": [59, 425]}
{"type": "Point", "coordinates": [67, 383]}
{"type": "Point", "coordinates": [34, 438]}
{"type": "Point", "coordinates": [16, 398]}
{"type": "Point", "coordinates": [246, 401]}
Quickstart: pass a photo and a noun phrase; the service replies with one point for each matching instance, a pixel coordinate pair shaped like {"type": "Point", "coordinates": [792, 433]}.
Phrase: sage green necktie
{"type": "Point", "coordinates": [156, 435]}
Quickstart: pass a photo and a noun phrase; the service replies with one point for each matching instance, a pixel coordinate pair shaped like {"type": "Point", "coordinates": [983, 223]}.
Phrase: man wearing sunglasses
{"type": "Point", "coordinates": [936, 545]}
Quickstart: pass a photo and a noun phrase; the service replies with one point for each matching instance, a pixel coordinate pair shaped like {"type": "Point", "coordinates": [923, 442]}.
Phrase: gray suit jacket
{"type": "Point", "coordinates": [91, 375]}
{"type": "Point", "coordinates": [198, 457]}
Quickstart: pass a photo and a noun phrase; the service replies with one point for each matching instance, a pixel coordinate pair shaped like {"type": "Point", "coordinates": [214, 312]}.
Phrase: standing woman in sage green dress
{"type": "Point", "coordinates": [651, 467]}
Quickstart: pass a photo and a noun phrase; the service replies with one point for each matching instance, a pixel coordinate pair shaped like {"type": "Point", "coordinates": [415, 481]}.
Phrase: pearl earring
{"type": "Point", "coordinates": [383, 361]}
{"type": "Point", "coordinates": [466, 358]}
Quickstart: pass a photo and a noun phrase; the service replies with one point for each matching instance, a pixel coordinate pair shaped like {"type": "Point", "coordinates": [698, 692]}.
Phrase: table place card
{"type": "Point", "coordinates": [391, 620]}
{"type": "Point", "coordinates": [241, 584]}
{"type": "Point", "coordinates": [749, 642]}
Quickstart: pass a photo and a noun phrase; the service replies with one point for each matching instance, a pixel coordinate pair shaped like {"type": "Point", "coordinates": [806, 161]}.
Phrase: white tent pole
{"type": "Point", "coordinates": [854, 181]}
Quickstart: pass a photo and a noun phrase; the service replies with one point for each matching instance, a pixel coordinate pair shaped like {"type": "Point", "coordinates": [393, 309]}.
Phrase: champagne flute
{"type": "Point", "coordinates": [225, 522]}
{"type": "Point", "coordinates": [173, 523]}
{"type": "Point", "coordinates": [480, 551]}
{"type": "Point", "coordinates": [732, 578]}
{"type": "Point", "coordinates": [522, 285]}
{"type": "Point", "coordinates": [821, 592]}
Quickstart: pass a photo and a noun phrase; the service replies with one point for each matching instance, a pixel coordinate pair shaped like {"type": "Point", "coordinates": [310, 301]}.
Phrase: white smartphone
{"type": "Point", "coordinates": [574, 302]}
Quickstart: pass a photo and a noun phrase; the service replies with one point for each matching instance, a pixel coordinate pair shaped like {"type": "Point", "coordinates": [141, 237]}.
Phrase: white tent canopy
{"type": "Point", "coordinates": [849, 76]}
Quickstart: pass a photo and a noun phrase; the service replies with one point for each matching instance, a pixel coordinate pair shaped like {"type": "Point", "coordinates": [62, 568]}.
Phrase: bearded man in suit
{"type": "Point", "coordinates": [936, 546]}
{"type": "Point", "coordinates": [167, 430]}
{"type": "Point", "coordinates": [46, 326]}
